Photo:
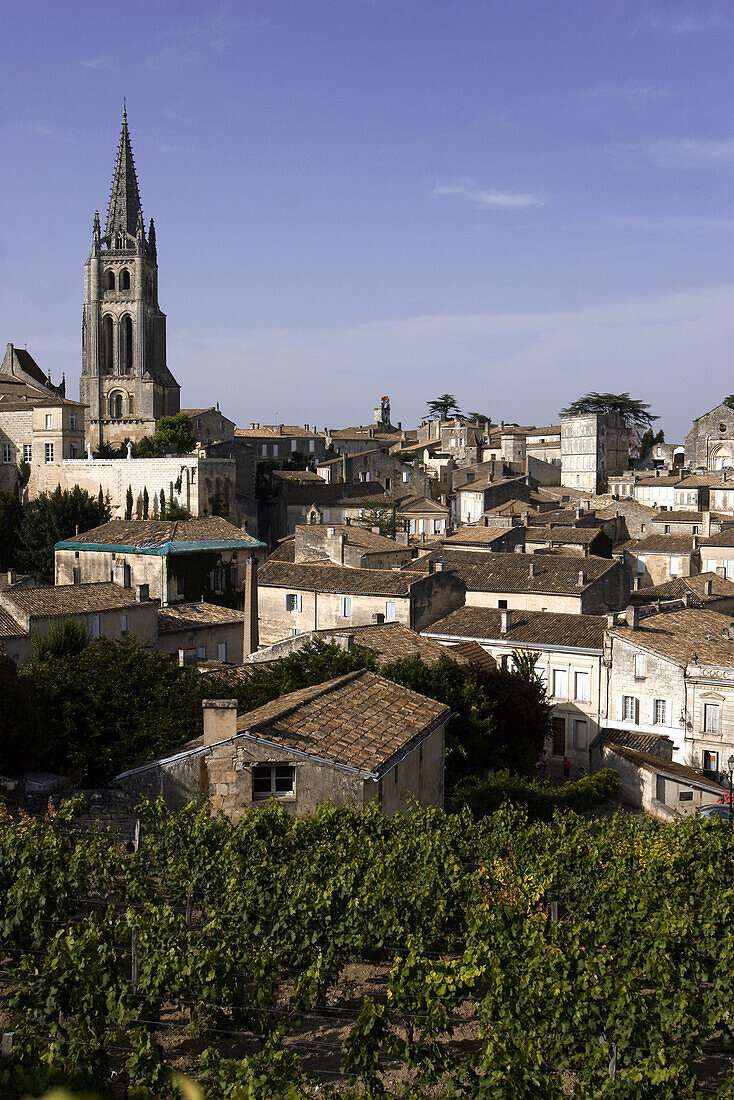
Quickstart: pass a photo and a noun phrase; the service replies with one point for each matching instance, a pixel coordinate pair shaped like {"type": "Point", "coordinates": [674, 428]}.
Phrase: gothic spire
{"type": "Point", "coordinates": [124, 210]}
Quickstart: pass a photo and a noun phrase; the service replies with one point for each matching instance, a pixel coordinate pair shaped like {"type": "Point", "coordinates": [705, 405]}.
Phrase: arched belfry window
{"type": "Point", "coordinates": [105, 350]}
{"type": "Point", "coordinates": [109, 280]}
{"type": "Point", "coordinates": [116, 406]}
{"type": "Point", "coordinates": [124, 279]}
{"type": "Point", "coordinates": [126, 345]}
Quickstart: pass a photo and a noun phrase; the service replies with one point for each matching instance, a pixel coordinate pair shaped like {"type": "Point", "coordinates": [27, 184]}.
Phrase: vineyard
{"type": "Point", "coordinates": [354, 955]}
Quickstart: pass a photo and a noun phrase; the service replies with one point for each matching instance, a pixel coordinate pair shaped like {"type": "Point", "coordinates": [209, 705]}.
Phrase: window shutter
{"type": "Point", "coordinates": [650, 712]}
{"type": "Point", "coordinates": [299, 602]}
{"type": "Point", "coordinates": [637, 712]}
{"type": "Point", "coordinates": [620, 708]}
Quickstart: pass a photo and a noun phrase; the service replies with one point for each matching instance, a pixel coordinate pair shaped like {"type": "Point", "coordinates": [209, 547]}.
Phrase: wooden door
{"type": "Point", "coordinates": [559, 736]}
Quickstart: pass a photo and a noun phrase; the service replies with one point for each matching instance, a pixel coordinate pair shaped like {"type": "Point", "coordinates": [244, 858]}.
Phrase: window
{"type": "Point", "coordinates": [180, 586]}
{"type": "Point", "coordinates": [582, 687]}
{"type": "Point", "coordinates": [221, 651]}
{"type": "Point", "coordinates": [711, 717]}
{"type": "Point", "coordinates": [560, 683]}
{"type": "Point", "coordinates": [406, 475]}
{"type": "Point", "coordinates": [660, 712]}
{"type": "Point", "coordinates": [264, 450]}
{"type": "Point", "coordinates": [640, 666]}
{"type": "Point", "coordinates": [124, 279]}
{"type": "Point", "coordinates": [275, 450]}
{"type": "Point", "coordinates": [94, 629]}
{"type": "Point", "coordinates": [49, 452]}
{"type": "Point", "coordinates": [72, 422]}
{"type": "Point", "coordinates": [629, 708]}
{"type": "Point", "coordinates": [504, 662]}
{"type": "Point", "coordinates": [346, 607]}
{"type": "Point", "coordinates": [502, 605]}
{"type": "Point", "coordinates": [710, 761]}
{"type": "Point", "coordinates": [293, 601]}
{"type": "Point", "coordinates": [49, 421]}
{"type": "Point", "coordinates": [312, 444]}
{"type": "Point", "coordinates": [696, 529]}
{"type": "Point", "coordinates": [273, 781]}
{"type": "Point", "coordinates": [660, 788]}
{"type": "Point", "coordinates": [390, 611]}
{"type": "Point", "coordinates": [641, 565]}
{"type": "Point", "coordinates": [580, 733]}
{"type": "Point", "coordinates": [667, 528]}
{"type": "Point", "coordinates": [6, 452]}
{"type": "Point", "coordinates": [123, 624]}
{"type": "Point", "coordinates": [201, 652]}
{"type": "Point", "coordinates": [27, 452]}
{"type": "Point", "coordinates": [293, 445]}
{"type": "Point", "coordinates": [72, 451]}
{"type": "Point", "coordinates": [675, 566]}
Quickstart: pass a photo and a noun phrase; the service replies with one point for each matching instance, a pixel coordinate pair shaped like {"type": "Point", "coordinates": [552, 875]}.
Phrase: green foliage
{"type": "Point", "coordinates": [19, 719]}
{"type": "Point", "coordinates": [218, 505]}
{"type": "Point", "coordinates": [22, 477]}
{"type": "Point", "coordinates": [50, 518]}
{"type": "Point", "coordinates": [174, 510]}
{"type": "Point", "coordinates": [146, 502]}
{"type": "Point", "coordinates": [162, 503]}
{"type": "Point", "coordinates": [129, 503]}
{"type": "Point", "coordinates": [633, 413]}
{"type": "Point", "coordinates": [553, 945]}
{"type": "Point", "coordinates": [729, 401]}
{"type": "Point", "coordinates": [64, 638]}
{"type": "Point", "coordinates": [11, 514]}
{"type": "Point", "coordinates": [172, 434]}
{"type": "Point", "coordinates": [525, 663]}
{"type": "Point", "coordinates": [648, 441]}
{"type": "Point", "coordinates": [540, 800]}
{"type": "Point", "coordinates": [443, 407]}
{"type": "Point", "coordinates": [384, 518]}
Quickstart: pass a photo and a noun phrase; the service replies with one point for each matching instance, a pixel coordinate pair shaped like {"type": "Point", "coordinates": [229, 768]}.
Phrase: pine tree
{"type": "Point", "coordinates": [129, 503]}
{"type": "Point", "coordinates": [146, 502]}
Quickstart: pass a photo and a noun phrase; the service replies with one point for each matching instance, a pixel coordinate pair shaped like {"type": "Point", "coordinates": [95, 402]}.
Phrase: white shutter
{"type": "Point", "coordinates": [620, 708]}
{"type": "Point", "coordinates": [299, 602]}
{"type": "Point", "coordinates": [650, 712]}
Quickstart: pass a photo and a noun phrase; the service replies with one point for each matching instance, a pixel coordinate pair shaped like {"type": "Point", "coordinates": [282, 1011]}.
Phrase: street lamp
{"type": "Point", "coordinates": [730, 762]}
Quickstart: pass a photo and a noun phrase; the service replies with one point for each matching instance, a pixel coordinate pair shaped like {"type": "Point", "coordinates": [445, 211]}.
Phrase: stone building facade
{"type": "Point", "coordinates": [125, 383]}
{"type": "Point", "coordinates": [593, 447]}
{"type": "Point", "coordinates": [710, 442]}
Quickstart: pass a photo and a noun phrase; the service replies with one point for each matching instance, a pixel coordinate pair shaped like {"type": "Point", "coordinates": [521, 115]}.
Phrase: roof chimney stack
{"type": "Point", "coordinates": [582, 577]}
{"type": "Point", "coordinates": [220, 720]}
{"type": "Point", "coordinates": [506, 620]}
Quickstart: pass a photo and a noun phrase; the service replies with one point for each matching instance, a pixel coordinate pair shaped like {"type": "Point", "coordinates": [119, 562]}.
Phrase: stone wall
{"type": "Point", "coordinates": [208, 638]}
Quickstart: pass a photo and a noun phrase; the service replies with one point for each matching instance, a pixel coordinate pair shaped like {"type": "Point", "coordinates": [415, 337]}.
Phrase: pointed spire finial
{"type": "Point", "coordinates": [124, 209]}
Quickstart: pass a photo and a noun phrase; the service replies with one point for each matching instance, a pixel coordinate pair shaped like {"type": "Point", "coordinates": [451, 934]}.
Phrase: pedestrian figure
{"type": "Point", "coordinates": [566, 768]}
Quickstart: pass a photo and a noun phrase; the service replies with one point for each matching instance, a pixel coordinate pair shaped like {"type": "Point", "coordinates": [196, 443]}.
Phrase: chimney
{"type": "Point", "coordinates": [632, 615]}
{"type": "Point", "coordinates": [531, 571]}
{"type": "Point", "coordinates": [280, 429]}
{"type": "Point", "coordinates": [585, 551]}
{"type": "Point", "coordinates": [252, 425]}
{"type": "Point", "coordinates": [401, 538]}
{"type": "Point", "coordinates": [506, 620]}
{"type": "Point", "coordinates": [375, 530]}
{"type": "Point", "coordinates": [695, 542]}
{"type": "Point", "coordinates": [251, 638]}
{"type": "Point", "coordinates": [438, 567]}
{"type": "Point", "coordinates": [706, 523]}
{"type": "Point", "coordinates": [342, 543]}
{"type": "Point", "coordinates": [11, 576]}
{"type": "Point", "coordinates": [142, 593]}
{"type": "Point", "coordinates": [188, 657]}
{"type": "Point", "coordinates": [611, 620]}
{"type": "Point", "coordinates": [519, 549]}
{"type": "Point", "coordinates": [708, 587]}
{"type": "Point", "coordinates": [636, 583]}
{"type": "Point", "coordinates": [687, 599]}
{"type": "Point", "coordinates": [220, 720]}
{"type": "Point", "coordinates": [582, 577]}
{"type": "Point", "coordinates": [344, 466]}
{"type": "Point", "coordinates": [431, 566]}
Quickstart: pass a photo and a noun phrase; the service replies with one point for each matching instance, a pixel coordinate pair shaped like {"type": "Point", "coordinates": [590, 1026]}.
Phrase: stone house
{"type": "Point", "coordinates": [656, 559]}
{"type": "Point", "coordinates": [708, 591]}
{"type": "Point", "coordinates": [569, 649]}
{"type": "Point", "coordinates": [661, 788]}
{"type": "Point", "coordinates": [296, 598]}
{"type": "Point", "coordinates": [38, 425]}
{"type": "Point", "coordinates": [539, 582]}
{"type": "Point", "coordinates": [594, 447]}
{"type": "Point", "coordinates": [177, 559]}
{"type": "Point", "coordinates": [717, 554]}
{"type": "Point", "coordinates": [105, 611]}
{"type": "Point", "coordinates": [204, 632]}
{"type": "Point", "coordinates": [476, 498]}
{"type": "Point", "coordinates": [296, 501]}
{"type": "Point", "coordinates": [544, 443]}
{"type": "Point", "coordinates": [398, 478]}
{"type": "Point", "coordinates": [423, 516]}
{"type": "Point", "coordinates": [704, 523]}
{"type": "Point", "coordinates": [486, 536]}
{"type": "Point", "coordinates": [210, 425]}
{"type": "Point", "coordinates": [279, 444]}
{"type": "Point", "coordinates": [721, 494]}
{"type": "Point", "coordinates": [351, 545]}
{"type": "Point", "coordinates": [570, 540]}
{"type": "Point", "coordinates": [673, 673]}
{"type": "Point", "coordinates": [355, 739]}
{"type": "Point", "coordinates": [710, 442]}
{"type": "Point", "coordinates": [387, 641]}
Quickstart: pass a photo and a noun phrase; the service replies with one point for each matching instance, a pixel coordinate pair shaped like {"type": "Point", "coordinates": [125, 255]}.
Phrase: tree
{"type": "Point", "coordinates": [22, 477]}
{"type": "Point", "coordinates": [129, 502]}
{"type": "Point", "coordinates": [633, 413]}
{"type": "Point", "coordinates": [729, 401]}
{"type": "Point", "coordinates": [11, 514]}
{"type": "Point", "coordinates": [64, 638]}
{"type": "Point", "coordinates": [50, 518]}
{"type": "Point", "coordinates": [384, 518]}
{"type": "Point", "coordinates": [479, 417]}
{"type": "Point", "coordinates": [443, 407]}
{"type": "Point", "coordinates": [146, 502]}
{"type": "Point", "coordinates": [525, 663]}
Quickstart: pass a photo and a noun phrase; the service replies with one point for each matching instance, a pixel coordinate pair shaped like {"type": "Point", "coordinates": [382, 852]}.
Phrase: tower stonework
{"type": "Point", "coordinates": [125, 382]}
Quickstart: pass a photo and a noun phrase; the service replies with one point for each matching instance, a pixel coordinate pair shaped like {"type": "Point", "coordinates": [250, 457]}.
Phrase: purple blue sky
{"type": "Point", "coordinates": [513, 200]}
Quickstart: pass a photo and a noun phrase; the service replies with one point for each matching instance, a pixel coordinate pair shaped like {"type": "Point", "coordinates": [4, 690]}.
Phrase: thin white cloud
{"type": "Point", "coordinates": [189, 45]}
{"type": "Point", "coordinates": [96, 63]}
{"type": "Point", "coordinates": [675, 152]}
{"type": "Point", "coordinates": [483, 199]}
{"type": "Point", "coordinates": [619, 92]}
{"type": "Point", "coordinates": [521, 366]}
{"type": "Point", "coordinates": [686, 19]}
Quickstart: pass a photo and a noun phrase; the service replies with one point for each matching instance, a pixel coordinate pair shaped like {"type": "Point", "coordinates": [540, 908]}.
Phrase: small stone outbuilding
{"type": "Point", "coordinates": [355, 739]}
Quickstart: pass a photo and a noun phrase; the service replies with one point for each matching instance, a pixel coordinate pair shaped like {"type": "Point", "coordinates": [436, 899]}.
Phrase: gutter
{"type": "Point", "coordinates": [542, 648]}
{"type": "Point", "coordinates": [162, 549]}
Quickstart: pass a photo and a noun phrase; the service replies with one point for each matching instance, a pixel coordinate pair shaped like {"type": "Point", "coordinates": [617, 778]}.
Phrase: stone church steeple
{"type": "Point", "coordinates": [125, 381]}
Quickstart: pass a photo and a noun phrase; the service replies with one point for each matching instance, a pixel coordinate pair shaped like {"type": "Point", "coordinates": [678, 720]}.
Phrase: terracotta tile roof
{"type": "Point", "coordinates": [364, 433]}
{"type": "Point", "coordinates": [337, 578]}
{"type": "Point", "coordinates": [29, 365]}
{"type": "Point", "coordinates": [421, 504]}
{"type": "Point", "coordinates": [68, 599]}
{"type": "Point", "coordinates": [679, 636]}
{"type": "Point", "coordinates": [526, 627]}
{"type": "Point", "coordinates": [359, 720]}
{"type": "Point", "coordinates": [278, 431]}
{"type": "Point", "coordinates": [475, 536]}
{"type": "Point", "coordinates": [471, 653]}
{"type": "Point", "coordinates": [356, 536]}
{"type": "Point", "coordinates": [702, 481]}
{"type": "Point", "coordinates": [655, 764]}
{"type": "Point", "coordinates": [298, 476]}
{"type": "Point", "coordinates": [659, 544]}
{"type": "Point", "coordinates": [652, 743]}
{"type": "Point", "coordinates": [9, 628]}
{"type": "Point", "coordinates": [390, 642]}
{"type": "Point", "coordinates": [721, 538]}
{"type": "Point", "coordinates": [494, 572]}
{"type": "Point", "coordinates": [560, 535]}
{"type": "Point", "coordinates": [683, 517]}
{"type": "Point", "coordinates": [664, 479]}
{"type": "Point", "coordinates": [488, 483]}
{"type": "Point", "coordinates": [284, 551]}
{"type": "Point", "coordinates": [328, 495]}
{"type": "Point", "coordinates": [144, 534]}
{"type": "Point", "coordinates": [677, 588]}
{"type": "Point", "coordinates": [198, 412]}
{"type": "Point", "coordinates": [192, 616]}
{"type": "Point", "coordinates": [547, 429]}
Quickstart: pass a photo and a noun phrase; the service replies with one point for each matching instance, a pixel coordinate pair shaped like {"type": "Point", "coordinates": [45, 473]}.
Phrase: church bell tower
{"type": "Point", "coordinates": [125, 382]}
